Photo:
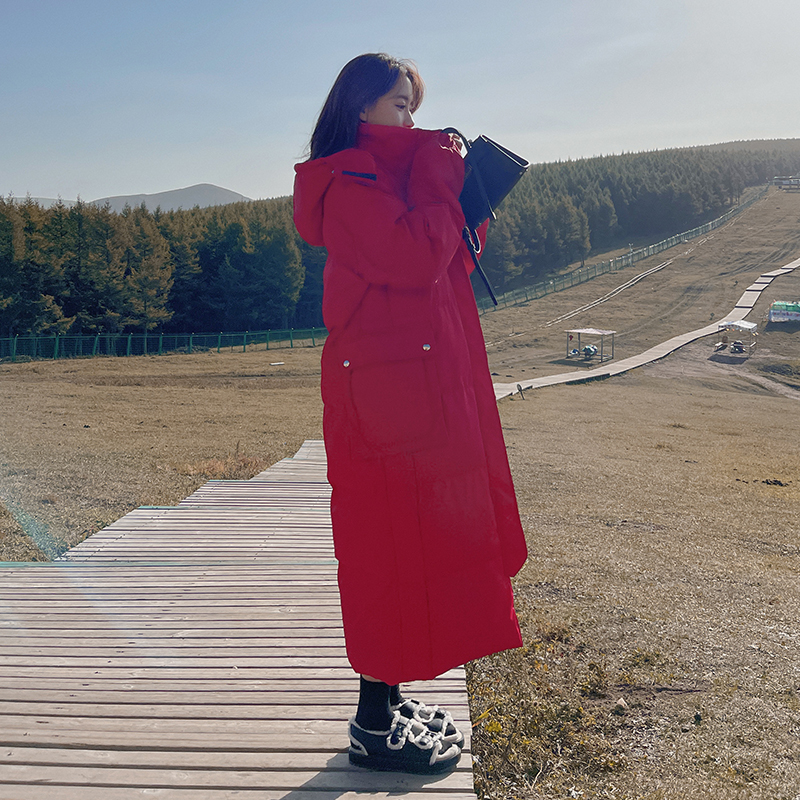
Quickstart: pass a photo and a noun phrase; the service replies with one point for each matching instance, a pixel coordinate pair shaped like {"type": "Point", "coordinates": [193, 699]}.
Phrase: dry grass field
{"type": "Point", "coordinates": [660, 603]}
{"type": "Point", "coordinates": [84, 441]}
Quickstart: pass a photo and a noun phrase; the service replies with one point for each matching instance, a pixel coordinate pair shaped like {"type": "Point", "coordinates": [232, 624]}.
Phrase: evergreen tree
{"type": "Point", "coordinates": [261, 283]}
{"type": "Point", "coordinates": [148, 271]}
{"type": "Point", "coordinates": [41, 279]}
{"type": "Point", "coordinates": [183, 233]}
{"type": "Point", "coordinates": [10, 276]}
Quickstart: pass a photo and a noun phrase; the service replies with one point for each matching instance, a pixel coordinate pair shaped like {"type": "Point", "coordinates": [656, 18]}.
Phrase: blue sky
{"type": "Point", "coordinates": [103, 97]}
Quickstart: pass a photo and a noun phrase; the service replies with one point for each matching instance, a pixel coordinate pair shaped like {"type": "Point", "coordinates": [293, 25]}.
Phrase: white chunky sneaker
{"type": "Point", "coordinates": [408, 746]}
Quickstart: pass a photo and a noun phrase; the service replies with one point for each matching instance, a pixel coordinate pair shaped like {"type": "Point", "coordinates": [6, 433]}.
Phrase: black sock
{"type": "Point", "coordinates": [395, 695]}
{"type": "Point", "coordinates": [373, 706]}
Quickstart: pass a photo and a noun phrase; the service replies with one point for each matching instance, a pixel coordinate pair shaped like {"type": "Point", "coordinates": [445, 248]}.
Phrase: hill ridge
{"type": "Point", "coordinates": [202, 195]}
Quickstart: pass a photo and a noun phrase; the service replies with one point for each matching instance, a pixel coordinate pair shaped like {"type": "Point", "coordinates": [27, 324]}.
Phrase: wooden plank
{"type": "Point", "coordinates": [162, 662]}
{"type": "Point", "coordinates": [253, 605]}
{"type": "Point", "coordinates": [307, 693]}
{"type": "Point", "coordinates": [323, 649]}
{"type": "Point", "coordinates": [158, 759]}
{"type": "Point", "coordinates": [176, 730]}
{"type": "Point", "coordinates": [182, 671]}
{"type": "Point", "coordinates": [133, 574]}
{"type": "Point", "coordinates": [234, 735]}
{"type": "Point", "coordinates": [144, 623]}
{"type": "Point", "coordinates": [223, 760]}
{"type": "Point", "coordinates": [179, 671]}
{"type": "Point", "coordinates": [34, 792]}
{"type": "Point", "coordinates": [443, 690]}
{"type": "Point", "coordinates": [308, 736]}
{"type": "Point", "coordinates": [179, 592]}
{"type": "Point", "coordinates": [183, 711]}
{"type": "Point", "coordinates": [320, 585]}
{"type": "Point", "coordinates": [180, 640]}
{"type": "Point", "coordinates": [324, 583]}
{"type": "Point", "coordinates": [131, 619]}
{"type": "Point", "coordinates": [748, 299]}
{"type": "Point", "coordinates": [342, 779]}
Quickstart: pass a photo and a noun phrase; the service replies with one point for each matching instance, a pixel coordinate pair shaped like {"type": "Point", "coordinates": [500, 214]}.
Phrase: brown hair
{"type": "Point", "coordinates": [359, 85]}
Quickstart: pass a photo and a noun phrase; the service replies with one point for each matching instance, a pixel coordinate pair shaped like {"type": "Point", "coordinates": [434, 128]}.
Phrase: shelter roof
{"type": "Point", "coordinates": [737, 325]}
{"type": "Point", "coordinates": [591, 331]}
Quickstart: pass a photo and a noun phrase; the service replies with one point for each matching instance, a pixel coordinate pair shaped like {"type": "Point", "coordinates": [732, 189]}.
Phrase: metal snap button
{"type": "Point", "coordinates": [426, 347]}
{"type": "Point", "coordinates": [345, 363]}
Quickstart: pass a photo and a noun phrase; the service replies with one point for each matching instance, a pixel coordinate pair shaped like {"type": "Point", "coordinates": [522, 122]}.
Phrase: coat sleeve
{"type": "Point", "coordinates": [384, 240]}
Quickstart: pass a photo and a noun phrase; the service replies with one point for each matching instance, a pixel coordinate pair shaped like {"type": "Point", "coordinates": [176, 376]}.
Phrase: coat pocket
{"type": "Point", "coordinates": [395, 394]}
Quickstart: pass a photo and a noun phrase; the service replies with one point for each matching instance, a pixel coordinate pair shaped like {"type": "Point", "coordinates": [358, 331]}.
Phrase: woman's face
{"type": "Point", "coordinates": [394, 108]}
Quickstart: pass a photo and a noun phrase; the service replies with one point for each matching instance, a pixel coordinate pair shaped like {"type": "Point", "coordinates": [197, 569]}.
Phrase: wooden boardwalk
{"type": "Point", "coordinates": [194, 652]}
{"type": "Point", "coordinates": [742, 308]}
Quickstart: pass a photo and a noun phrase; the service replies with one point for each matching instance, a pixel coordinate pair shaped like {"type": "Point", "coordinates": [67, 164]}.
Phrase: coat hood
{"type": "Point", "coordinates": [389, 148]}
{"type": "Point", "coordinates": [311, 182]}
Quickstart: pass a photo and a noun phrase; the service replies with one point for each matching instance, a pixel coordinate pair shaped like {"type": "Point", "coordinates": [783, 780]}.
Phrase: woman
{"type": "Point", "coordinates": [425, 522]}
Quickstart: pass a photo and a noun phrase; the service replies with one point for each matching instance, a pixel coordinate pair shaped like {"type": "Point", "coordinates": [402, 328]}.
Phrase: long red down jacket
{"type": "Point", "coordinates": [425, 522]}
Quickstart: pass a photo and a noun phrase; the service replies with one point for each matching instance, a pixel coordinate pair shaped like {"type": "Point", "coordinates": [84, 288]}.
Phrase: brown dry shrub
{"type": "Point", "coordinates": [541, 718]}
{"type": "Point", "coordinates": [234, 467]}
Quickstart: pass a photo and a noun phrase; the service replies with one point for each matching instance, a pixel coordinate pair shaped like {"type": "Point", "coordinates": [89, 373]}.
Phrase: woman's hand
{"type": "Point", "coordinates": [437, 174]}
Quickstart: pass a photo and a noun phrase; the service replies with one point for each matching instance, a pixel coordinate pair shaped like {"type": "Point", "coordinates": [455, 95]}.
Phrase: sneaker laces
{"type": "Point", "coordinates": [424, 713]}
{"type": "Point", "coordinates": [433, 717]}
{"type": "Point", "coordinates": [404, 730]}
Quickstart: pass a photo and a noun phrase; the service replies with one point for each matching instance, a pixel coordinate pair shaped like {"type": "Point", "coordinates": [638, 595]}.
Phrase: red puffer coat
{"type": "Point", "coordinates": [425, 520]}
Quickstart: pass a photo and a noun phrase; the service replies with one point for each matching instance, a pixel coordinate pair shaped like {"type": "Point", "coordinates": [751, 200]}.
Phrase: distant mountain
{"type": "Point", "coordinates": [45, 202]}
{"type": "Point", "coordinates": [202, 194]}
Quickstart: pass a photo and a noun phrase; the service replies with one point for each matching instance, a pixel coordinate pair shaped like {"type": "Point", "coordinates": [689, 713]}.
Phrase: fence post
{"type": "Point", "coordinates": [219, 341]}
{"type": "Point", "coordinates": [130, 342]}
{"type": "Point", "coordinates": [14, 348]}
{"type": "Point", "coordinates": [191, 342]}
{"type": "Point", "coordinates": [244, 342]}
{"type": "Point", "coordinates": [267, 340]}
{"type": "Point", "coordinates": [55, 345]}
{"type": "Point", "coordinates": [291, 337]}
{"type": "Point", "coordinates": [160, 342]}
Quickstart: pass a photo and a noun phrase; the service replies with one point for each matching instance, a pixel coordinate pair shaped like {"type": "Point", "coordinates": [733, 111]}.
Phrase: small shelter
{"type": "Point", "coordinates": [739, 336]}
{"type": "Point", "coordinates": [589, 350]}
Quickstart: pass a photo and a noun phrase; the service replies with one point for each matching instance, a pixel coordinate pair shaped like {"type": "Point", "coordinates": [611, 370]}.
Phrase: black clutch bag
{"type": "Point", "coordinates": [491, 172]}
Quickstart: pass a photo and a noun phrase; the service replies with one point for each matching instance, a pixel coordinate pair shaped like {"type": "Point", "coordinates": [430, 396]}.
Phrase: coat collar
{"type": "Point", "coordinates": [393, 148]}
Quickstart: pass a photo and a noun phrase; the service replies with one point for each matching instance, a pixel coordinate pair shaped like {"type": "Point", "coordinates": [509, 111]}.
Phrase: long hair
{"type": "Point", "coordinates": [359, 85]}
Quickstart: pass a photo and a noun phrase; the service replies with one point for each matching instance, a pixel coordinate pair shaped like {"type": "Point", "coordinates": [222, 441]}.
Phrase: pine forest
{"type": "Point", "coordinates": [239, 267]}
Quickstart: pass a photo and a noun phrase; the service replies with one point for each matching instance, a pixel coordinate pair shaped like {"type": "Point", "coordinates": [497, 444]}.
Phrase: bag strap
{"type": "Point", "coordinates": [471, 236]}
{"type": "Point", "coordinates": [474, 168]}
